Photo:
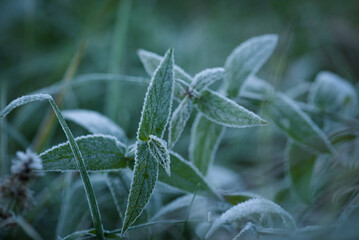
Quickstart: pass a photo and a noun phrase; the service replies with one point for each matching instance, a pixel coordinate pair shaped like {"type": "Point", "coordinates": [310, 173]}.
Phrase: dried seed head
{"type": "Point", "coordinates": [24, 165]}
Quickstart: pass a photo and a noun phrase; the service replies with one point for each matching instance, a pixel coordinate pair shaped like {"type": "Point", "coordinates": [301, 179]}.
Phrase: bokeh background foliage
{"type": "Point", "coordinates": [43, 42]}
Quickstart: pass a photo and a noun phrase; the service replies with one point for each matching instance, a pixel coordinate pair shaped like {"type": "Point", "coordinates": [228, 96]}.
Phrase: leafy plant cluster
{"type": "Point", "coordinates": [319, 122]}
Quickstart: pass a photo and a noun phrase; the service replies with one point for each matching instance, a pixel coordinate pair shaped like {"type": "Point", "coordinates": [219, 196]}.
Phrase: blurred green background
{"type": "Point", "coordinates": [43, 42]}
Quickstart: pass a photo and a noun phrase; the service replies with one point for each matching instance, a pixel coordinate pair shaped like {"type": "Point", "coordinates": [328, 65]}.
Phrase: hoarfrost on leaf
{"type": "Point", "coordinates": [249, 208]}
{"type": "Point", "coordinates": [226, 112]}
{"type": "Point", "coordinates": [158, 101]}
{"type": "Point", "coordinates": [246, 60]}
{"type": "Point", "coordinates": [158, 149]}
{"type": "Point", "coordinates": [144, 179]}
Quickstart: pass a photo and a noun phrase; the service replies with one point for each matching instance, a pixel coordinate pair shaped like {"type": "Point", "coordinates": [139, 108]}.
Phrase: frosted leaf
{"type": "Point", "coordinates": [185, 177]}
{"type": "Point", "coordinates": [100, 153]}
{"type": "Point", "coordinates": [95, 123]}
{"type": "Point", "coordinates": [287, 115]}
{"type": "Point", "coordinates": [226, 112]}
{"type": "Point", "coordinates": [151, 61]}
{"type": "Point", "coordinates": [332, 93]}
{"type": "Point", "coordinates": [205, 78]}
{"type": "Point", "coordinates": [246, 60]}
{"type": "Point", "coordinates": [23, 100]}
{"type": "Point", "coordinates": [249, 208]}
{"type": "Point", "coordinates": [178, 121]}
{"type": "Point", "coordinates": [144, 179]}
{"type": "Point", "coordinates": [158, 149]}
{"type": "Point", "coordinates": [205, 138]}
{"type": "Point", "coordinates": [256, 88]}
{"type": "Point", "coordinates": [158, 101]}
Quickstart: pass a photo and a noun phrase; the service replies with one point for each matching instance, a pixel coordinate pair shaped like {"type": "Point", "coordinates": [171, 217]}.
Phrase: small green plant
{"type": "Point", "coordinates": [138, 172]}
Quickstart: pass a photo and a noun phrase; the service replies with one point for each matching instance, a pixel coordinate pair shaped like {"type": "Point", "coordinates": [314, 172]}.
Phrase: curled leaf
{"type": "Point", "coordinates": [205, 78]}
{"type": "Point", "coordinates": [250, 208]}
{"type": "Point", "coordinates": [178, 121]}
{"type": "Point", "coordinates": [158, 149]}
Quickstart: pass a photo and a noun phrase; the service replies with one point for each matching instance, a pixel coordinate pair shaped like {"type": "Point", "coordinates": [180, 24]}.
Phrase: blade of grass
{"type": "Point", "coordinates": [91, 198]}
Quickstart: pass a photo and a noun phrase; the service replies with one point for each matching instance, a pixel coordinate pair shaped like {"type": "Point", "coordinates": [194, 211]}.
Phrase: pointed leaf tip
{"type": "Point", "coordinates": [158, 101]}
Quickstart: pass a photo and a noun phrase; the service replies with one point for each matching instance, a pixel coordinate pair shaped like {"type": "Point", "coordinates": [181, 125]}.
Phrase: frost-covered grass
{"type": "Point", "coordinates": [147, 187]}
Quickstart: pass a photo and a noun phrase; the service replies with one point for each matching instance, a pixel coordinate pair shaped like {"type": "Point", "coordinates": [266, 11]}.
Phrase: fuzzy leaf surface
{"type": "Point", "coordinates": [158, 101]}
{"type": "Point", "coordinates": [205, 78]}
{"type": "Point", "coordinates": [301, 166]}
{"type": "Point", "coordinates": [226, 112]}
{"type": "Point", "coordinates": [95, 123]}
{"type": "Point", "coordinates": [178, 121]}
{"type": "Point", "coordinates": [144, 179]}
{"type": "Point", "coordinates": [100, 153]}
{"type": "Point", "coordinates": [256, 88]}
{"type": "Point", "coordinates": [252, 207]}
{"type": "Point", "coordinates": [288, 116]}
{"type": "Point", "coordinates": [246, 60]}
{"type": "Point", "coordinates": [151, 61]}
{"type": "Point", "coordinates": [205, 138]}
{"type": "Point", "coordinates": [332, 93]}
{"type": "Point", "coordinates": [185, 177]}
{"type": "Point", "coordinates": [158, 149]}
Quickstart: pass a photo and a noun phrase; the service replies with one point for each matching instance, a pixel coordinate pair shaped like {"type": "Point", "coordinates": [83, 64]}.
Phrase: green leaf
{"type": "Point", "coordinates": [287, 115]}
{"type": "Point", "coordinates": [143, 182]}
{"type": "Point", "coordinates": [205, 138]}
{"type": "Point", "coordinates": [158, 101]}
{"type": "Point", "coordinates": [151, 61]}
{"type": "Point", "coordinates": [185, 177]}
{"type": "Point", "coordinates": [95, 123]}
{"type": "Point", "coordinates": [158, 149]}
{"type": "Point", "coordinates": [178, 121]}
{"type": "Point", "coordinates": [301, 165]}
{"type": "Point", "coordinates": [246, 60]}
{"type": "Point", "coordinates": [100, 153]}
{"type": "Point", "coordinates": [256, 88]}
{"type": "Point", "coordinates": [250, 209]}
{"type": "Point", "coordinates": [205, 78]}
{"type": "Point", "coordinates": [226, 112]}
{"type": "Point", "coordinates": [332, 93]}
